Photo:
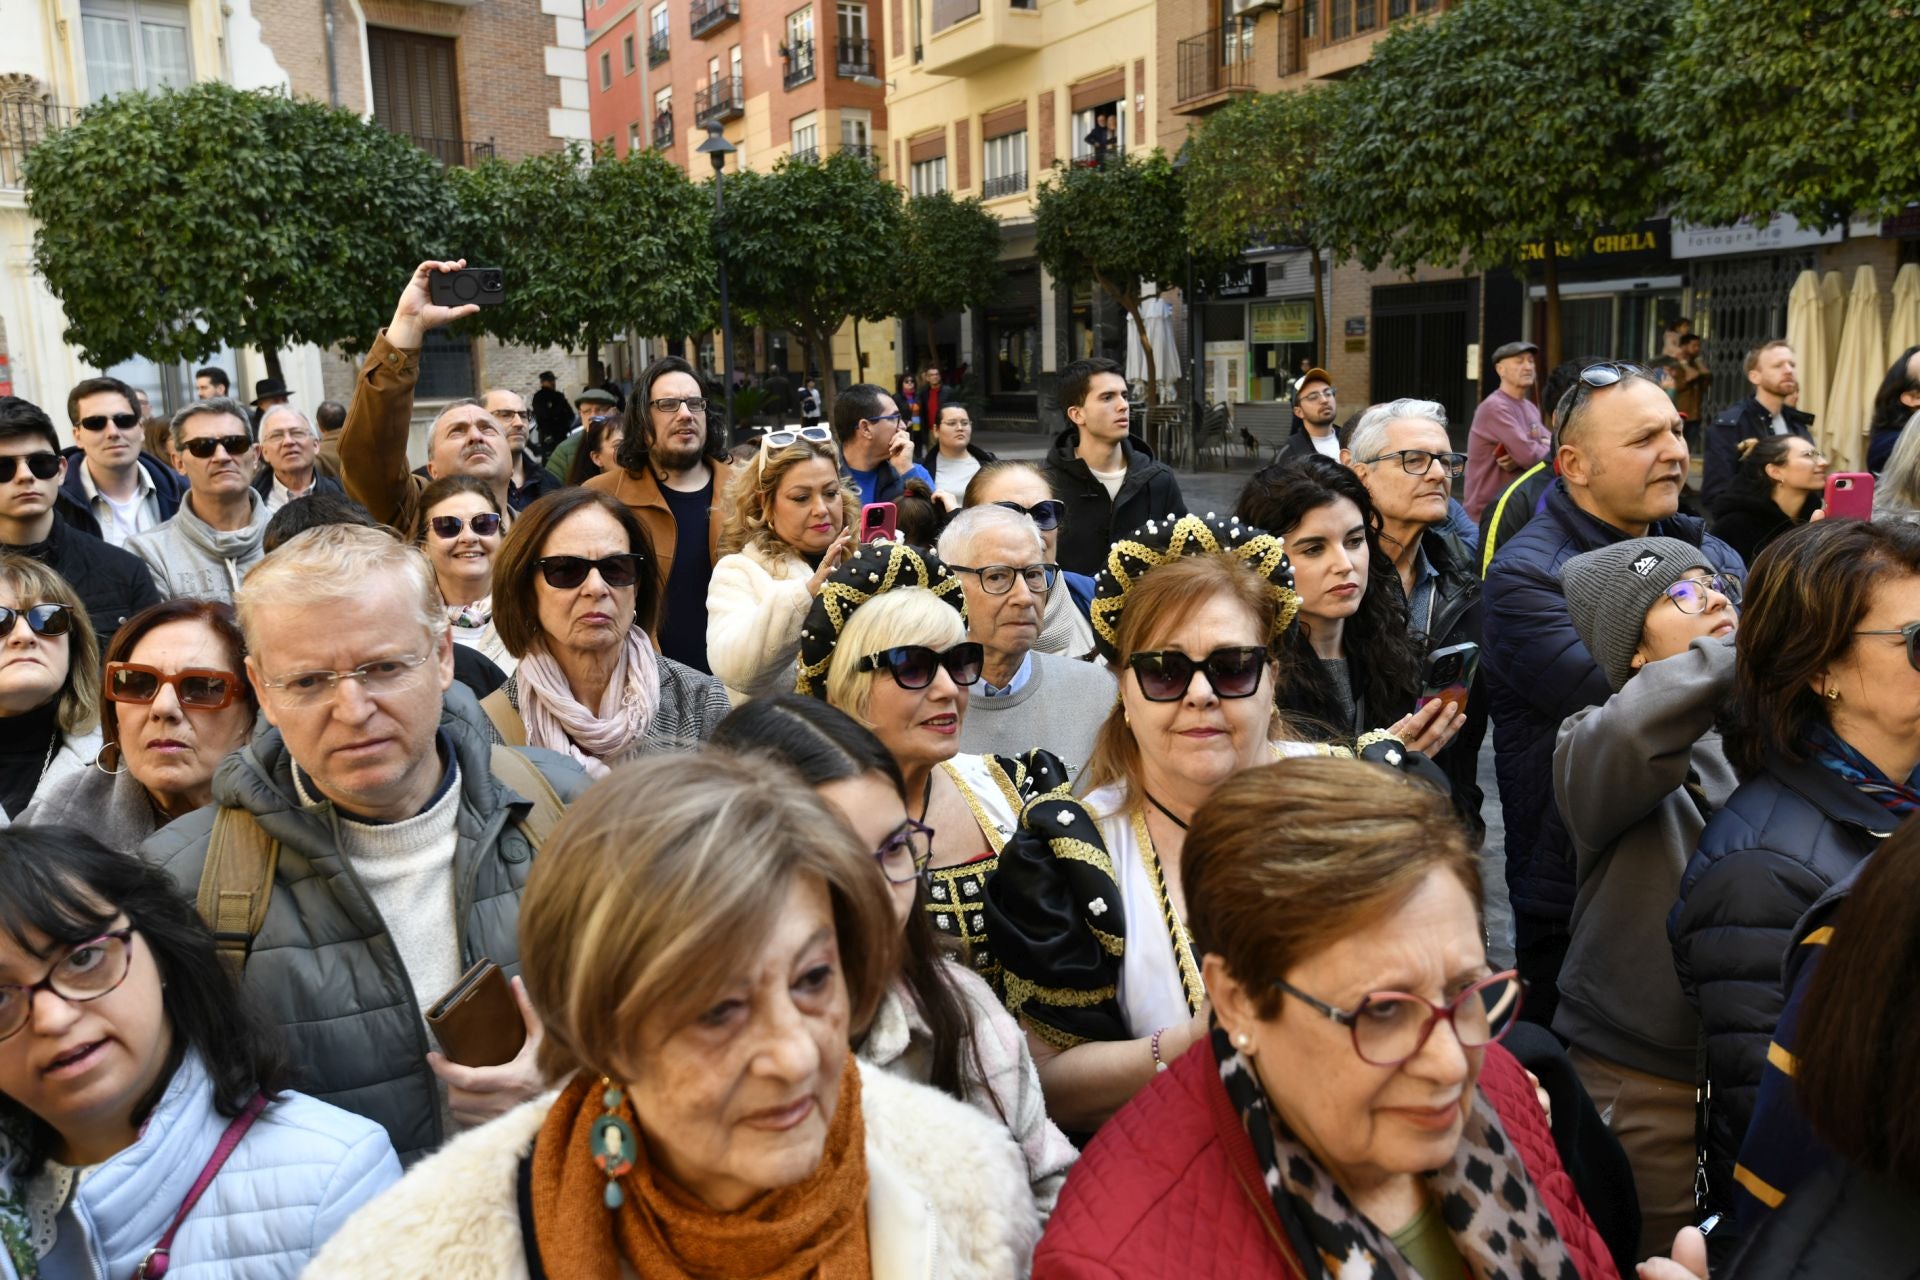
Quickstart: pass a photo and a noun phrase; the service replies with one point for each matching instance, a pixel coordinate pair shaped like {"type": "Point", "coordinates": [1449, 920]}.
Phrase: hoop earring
{"type": "Point", "coordinates": [118, 755]}
{"type": "Point", "coordinates": [614, 1148]}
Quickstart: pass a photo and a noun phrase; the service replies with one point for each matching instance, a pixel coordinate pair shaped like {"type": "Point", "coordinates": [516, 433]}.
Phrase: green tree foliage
{"type": "Point", "coordinates": [951, 260]}
{"type": "Point", "coordinates": [1247, 170]}
{"type": "Point", "coordinates": [1116, 225]}
{"type": "Point", "coordinates": [172, 223]}
{"type": "Point", "coordinates": [1790, 107]}
{"type": "Point", "coordinates": [589, 250]}
{"type": "Point", "coordinates": [811, 245]}
{"type": "Point", "coordinates": [1499, 125]}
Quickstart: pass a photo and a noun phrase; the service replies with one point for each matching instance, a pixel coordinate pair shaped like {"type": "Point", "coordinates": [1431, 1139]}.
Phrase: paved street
{"type": "Point", "coordinates": [1213, 489]}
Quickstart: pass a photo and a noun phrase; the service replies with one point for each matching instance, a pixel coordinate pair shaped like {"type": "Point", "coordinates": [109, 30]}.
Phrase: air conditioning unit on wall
{"type": "Point", "coordinates": [1252, 8]}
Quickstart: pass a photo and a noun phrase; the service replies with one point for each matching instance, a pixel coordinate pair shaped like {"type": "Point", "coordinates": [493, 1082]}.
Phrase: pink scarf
{"type": "Point", "coordinates": [555, 719]}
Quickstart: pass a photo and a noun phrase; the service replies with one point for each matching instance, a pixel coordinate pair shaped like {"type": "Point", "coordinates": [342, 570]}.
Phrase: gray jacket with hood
{"type": "Point", "coordinates": [323, 966]}
{"type": "Point", "coordinates": [189, 557]}
{"type": "Point", "coordinates": [1620, 779]}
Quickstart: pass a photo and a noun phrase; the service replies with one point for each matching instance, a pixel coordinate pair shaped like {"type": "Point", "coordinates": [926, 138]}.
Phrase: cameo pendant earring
{"type": "Point", "coordinates": [614, 1147]}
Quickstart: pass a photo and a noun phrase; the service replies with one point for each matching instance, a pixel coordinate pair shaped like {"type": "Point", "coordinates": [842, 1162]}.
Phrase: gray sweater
{"type": "Point", "coordinates": [189, 557]}
{"type": "Point", "coordinates": [1059, 709]}
{"type": "Point", "coordinates": [1619, 777]}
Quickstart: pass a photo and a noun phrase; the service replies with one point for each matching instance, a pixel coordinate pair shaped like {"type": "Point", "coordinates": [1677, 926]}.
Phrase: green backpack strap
{"type": "Point", "coordinates": [236, 884]}
{"type": "Point", "coordinates": [523, 776]}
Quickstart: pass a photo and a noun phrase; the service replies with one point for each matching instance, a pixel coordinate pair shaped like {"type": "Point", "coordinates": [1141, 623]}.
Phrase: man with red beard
{"type": "Point", "coordinates": [673, 476]}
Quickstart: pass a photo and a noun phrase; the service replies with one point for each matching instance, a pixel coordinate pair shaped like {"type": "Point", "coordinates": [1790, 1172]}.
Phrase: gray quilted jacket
{"type": "Point", "coordinates": [323, 966]}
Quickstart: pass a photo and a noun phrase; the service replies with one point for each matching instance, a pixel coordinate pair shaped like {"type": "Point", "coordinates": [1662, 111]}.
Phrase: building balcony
{"type": "Point", "coordinates": [710, 15]}
{"type": "Point", "coordinates": [972, 35]}
{"type": "Point", "coordinates": [455, 152]}
{"type": "Point", "coordinates": [657, 48]}
{"type": "Point", "coordinates": [1213, 66]}
{"type": "Point", "coordinates": [1006, 184]}
{"type": "Point", "coordinates": [799, 57]}
{"type": "Point", "coordinates": [811, 155]}
{"type": "Point", "coordinates": [726, 100]}
{"type": "Point", "coordinates": [853, 58]}
{"type": "Point", "coordinates": [663, 133]}
{"type": "Point", "coordinates": [22, 125]}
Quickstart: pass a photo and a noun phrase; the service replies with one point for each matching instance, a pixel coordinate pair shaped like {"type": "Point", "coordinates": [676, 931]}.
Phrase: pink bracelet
{"type": "Point", "coordinates": [1159, 1063]}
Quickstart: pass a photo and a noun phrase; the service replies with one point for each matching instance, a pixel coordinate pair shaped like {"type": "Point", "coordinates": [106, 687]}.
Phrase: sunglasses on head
{"type": "Point", "coordinates": [782, 437]}
{"type": "Point", "coordinates": [1910, 633]}
{"type": "Point", "coordinates": [564, 573]}
{"type": "Point", "coordinates": [99, 421]}
{"type": "Point", "coordinates": [484, 525]}
{"type": "Point", "coordinates": [913, 665]}
{"type": "Point", "coordinates": [1045, 513]}
{"type": "Point", "coordinates": [205, 445]}
{"type": "Point", "coordinates": [1593, 378]}
{"type": "Point", "coordinates": [41, 466]}
{"type": "Point", "coordinates": [41, 619]}
{"type": "Point", "coordinates": [200, 687]}
{"type": "Point", "coordinates": [1166, 674]}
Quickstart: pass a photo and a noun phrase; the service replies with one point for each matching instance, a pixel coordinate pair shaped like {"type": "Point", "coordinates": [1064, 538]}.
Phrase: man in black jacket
{"type": "Point", "coordinates": [1106, 476]}
{"type": "Point", "coordinates": [552, 416]}
{"type": "Point", "coordinates": [113, 584]}
{"type": "Point", "coordinates": [1774, 372]}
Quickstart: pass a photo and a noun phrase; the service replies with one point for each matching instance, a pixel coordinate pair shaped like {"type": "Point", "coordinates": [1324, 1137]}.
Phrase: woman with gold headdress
{"type": "Point", "coordinates": [886, 642]}
{"type": "Point", "coordinates": [1086, 913]}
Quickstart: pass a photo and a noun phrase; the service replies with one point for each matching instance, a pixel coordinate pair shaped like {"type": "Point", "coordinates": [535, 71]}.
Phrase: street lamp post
{"type": "Point", "coordinates": [718, 148]}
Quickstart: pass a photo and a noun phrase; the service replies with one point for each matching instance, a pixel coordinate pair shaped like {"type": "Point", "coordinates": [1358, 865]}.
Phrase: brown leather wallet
{"type": "Point", "coordinates": [478, 1022]}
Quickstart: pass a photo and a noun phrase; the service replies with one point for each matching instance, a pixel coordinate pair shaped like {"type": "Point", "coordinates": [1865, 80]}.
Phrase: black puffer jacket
{"type": "Point", "coordinates": [1840, 1222]}
{"type": "Point", "coordinates": [112, 584]}
{"type": "Point", "coordinates": [1784, 838]}
{"type": "Point", "coordinates": [1150, 492]}
{"type": "Point", "coordinates": [324, 967]}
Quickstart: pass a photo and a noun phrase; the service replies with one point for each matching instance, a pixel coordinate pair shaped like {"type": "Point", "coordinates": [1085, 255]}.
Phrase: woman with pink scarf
{"type": "Point", "coordinates": [576, 596]}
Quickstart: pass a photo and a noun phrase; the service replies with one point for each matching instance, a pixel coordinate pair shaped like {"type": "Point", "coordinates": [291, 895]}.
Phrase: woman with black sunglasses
{"type": "Point", "coordinates": [174, 704]}
{"type": "Point", "coordinates": [144, 1123]}
{"type": "Point", "coordinates": [938, 1024]}
{"type": "Point", "coordinates": [461, 529]}
{"type": "Point", "coordinates": [1824, 732]}
{"type": "Point", "coordinates": [49, 686]}
{"type": "Point", "coordinates": [886, 643]}
{"type": "Point", "coordinates": [576, 598]}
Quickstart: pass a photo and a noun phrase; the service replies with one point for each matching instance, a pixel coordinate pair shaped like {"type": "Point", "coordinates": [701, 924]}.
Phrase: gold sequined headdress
{"type": "Point", "coordinates": [875, 568]}
{"type": "Point", "coordinates": [1164, 541]}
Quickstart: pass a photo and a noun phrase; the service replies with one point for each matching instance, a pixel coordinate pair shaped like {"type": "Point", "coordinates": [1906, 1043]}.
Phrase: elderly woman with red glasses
{"type": "Point", "coordinates": [886, 642]}
{"type": "Point", "coordinates": [175, 703]}
{"type": "Point", "coordinates": [1347, 1112]}
{"type": "Point", "coordinates": [576, 599]}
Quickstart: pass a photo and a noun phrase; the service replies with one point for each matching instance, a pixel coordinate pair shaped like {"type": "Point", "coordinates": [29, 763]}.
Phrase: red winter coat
{"type": "Point", "coordinates": [1170, 1186]}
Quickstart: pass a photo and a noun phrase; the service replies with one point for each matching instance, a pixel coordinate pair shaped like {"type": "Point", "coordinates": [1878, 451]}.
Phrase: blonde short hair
{"type": "Point", "coordinates": [656, 889]}
{"type": "Point", "coordinates": [909, 615]}
{"type": "Point", "coordinates": [33, 583]}
{"type": "Point", "coordinates": [751, 495]}
{"type": "Point", "coordinates": [334, 562]}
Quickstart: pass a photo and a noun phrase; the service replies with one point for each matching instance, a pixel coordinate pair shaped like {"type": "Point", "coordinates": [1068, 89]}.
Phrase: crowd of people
{"type": "Point", "coordinates": [854, 854]}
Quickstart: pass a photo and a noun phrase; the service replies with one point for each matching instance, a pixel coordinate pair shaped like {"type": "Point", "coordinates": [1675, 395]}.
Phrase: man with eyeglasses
{"type": "Point", "coordinates": [674, 475]}
{"type": "Point", "coordinates": [290, 452]}
{"type": "Point", "coordinates": [1403, 455]}
{"type": "Point", "coordinates": [1315, 402]}
{"type": "Point", "coordinates": [528, 480]}
{"type": "Point", "coordinates": [1508, 435]}
{"type": "Point", "coordinates": [876, 450]}
{"type": "Point", "coordinates": [464, 440]}
{"type": "Point", "coordinates": [404, 841]}
{"type": "Point", "coordinates": [1024, 698]}
{"type": "Point", "coordinates": [214, 539]}
{"type": "Point", "coordinates": [1622, 457]}
{"type": "Point", "coordinates": [40, 521]}
{"type": "Point", "coordinates": [109, 474]}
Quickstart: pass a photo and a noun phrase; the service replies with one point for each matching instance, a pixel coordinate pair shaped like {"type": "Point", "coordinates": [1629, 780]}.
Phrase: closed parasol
{"type": "Point", "coordinates": [1807, 335]}
{"type": "Point", "coordinates": [1856, 376]}
{"type": "Point", "coordinates": [1903, 330]}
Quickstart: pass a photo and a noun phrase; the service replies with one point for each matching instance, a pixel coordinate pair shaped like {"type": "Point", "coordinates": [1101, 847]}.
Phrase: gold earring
{"type": "Point", "coordinates": [1833, 693]}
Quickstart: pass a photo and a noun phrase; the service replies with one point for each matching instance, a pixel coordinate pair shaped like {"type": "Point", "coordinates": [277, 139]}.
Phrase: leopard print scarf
{"type": "Point", "coordinates": [1489, 1204]}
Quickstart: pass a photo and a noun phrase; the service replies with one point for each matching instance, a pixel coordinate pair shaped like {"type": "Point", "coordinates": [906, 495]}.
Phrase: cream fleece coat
{"type": "Point", "coordinates": [756, 601]}
{"type": "Point", "coordinates": [947, 1198]}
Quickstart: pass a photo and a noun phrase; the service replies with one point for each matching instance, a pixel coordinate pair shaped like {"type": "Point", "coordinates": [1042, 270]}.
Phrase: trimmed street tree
{"type": "Point", "coordinates": [809, 246]}
{"type": "Point", "coordinates": [172, 223]}
{"type": "Point", "coordinates": [952, 259]}
{"type": "Point", "coordinates": [1117, 225]}
{"type": "Point", "coordinates": [1247, 166]}
{"type": "Point", "coordinates": [589, 250]}
{"type": "Point", "coordinates": [1781, 107]}
{"type": "Point", "coordinates": [1499, 130]}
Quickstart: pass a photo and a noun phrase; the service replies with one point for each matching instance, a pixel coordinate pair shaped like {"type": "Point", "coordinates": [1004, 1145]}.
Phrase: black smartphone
{"type": "Point", "coordinates": [486, 286]}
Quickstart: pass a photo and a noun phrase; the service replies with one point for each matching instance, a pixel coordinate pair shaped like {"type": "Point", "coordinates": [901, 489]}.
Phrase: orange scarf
{"type": "Point", "coordinates": [813, 1230]}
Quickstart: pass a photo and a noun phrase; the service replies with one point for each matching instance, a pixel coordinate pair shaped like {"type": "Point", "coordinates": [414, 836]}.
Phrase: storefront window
{"type": "Point", "coordinates": [1279, 337]}
{"type": "Point", "coordinates": [1014, 342]}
